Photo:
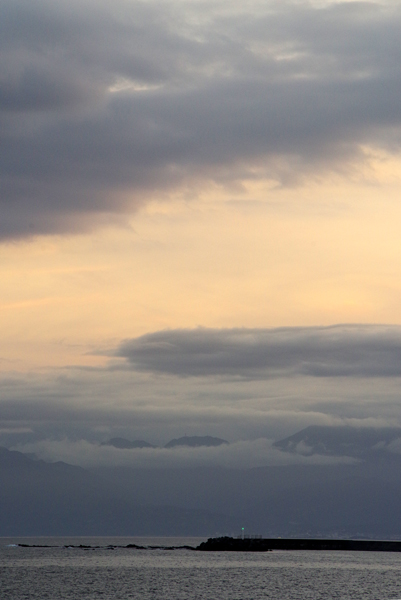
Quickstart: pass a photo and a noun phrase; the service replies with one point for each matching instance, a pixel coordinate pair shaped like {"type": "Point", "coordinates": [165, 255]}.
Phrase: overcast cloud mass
{"type": "Point", "coordinates": [103, 105]}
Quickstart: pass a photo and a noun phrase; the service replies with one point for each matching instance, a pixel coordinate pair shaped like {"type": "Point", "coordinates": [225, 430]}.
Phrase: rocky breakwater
{"type": "Point", "coordinates": [229, 544]}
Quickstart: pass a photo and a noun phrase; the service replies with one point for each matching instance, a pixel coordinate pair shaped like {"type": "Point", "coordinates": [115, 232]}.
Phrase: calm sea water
{"type": "Point", "coordinates": [103, 574]}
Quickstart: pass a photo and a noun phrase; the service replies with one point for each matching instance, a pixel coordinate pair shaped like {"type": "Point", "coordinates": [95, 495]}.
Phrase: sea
{"type": "Point", "coordinates": [107, 570]}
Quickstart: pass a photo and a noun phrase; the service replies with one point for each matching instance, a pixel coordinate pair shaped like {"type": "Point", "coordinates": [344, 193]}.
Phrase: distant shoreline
{"type": "Point", "coordinates": [229, 544]}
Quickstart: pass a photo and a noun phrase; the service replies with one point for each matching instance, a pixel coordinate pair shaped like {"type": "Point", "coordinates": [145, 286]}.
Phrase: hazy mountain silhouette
{"type": "Point", "coordinates": [361, 499]}
{"type": "Point", "coordinates": [39, 498]}
{"type": "Point", "coordinates": [342, 441]}
{"type": "Point", "coordinates": [196, 441]}
{"type": "Point", "coordinates": [124, 444]}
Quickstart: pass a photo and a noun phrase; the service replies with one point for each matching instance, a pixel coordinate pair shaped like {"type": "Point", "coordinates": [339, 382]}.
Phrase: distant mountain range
{"type": "Point", "coordinates": [124, 444]}
{"type": "Point", "coordinates": [39, 498]}
{"type": "Point", "coordinates": [362, 442]}
{"type": "Point", "coordinates": [361, 499]}
{"type": "Point", "coordinates": [196, 442]}
{"type": "Point", "coordinates": [191, 442]}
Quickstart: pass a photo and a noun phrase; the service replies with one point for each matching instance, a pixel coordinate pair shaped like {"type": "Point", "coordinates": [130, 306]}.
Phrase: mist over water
{"type": "Point", "coordinates": [68, 573]}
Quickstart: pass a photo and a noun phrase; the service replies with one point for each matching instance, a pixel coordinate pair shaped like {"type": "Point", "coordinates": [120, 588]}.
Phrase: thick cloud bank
{"type": "Point", "coordinates": [104, 104]}
{"type": "Point", "coordinates": [337, 351]}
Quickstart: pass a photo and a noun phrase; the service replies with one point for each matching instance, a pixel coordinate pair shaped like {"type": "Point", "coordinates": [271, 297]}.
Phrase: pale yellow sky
{"type": "Point", "coordinates": [321, 253]}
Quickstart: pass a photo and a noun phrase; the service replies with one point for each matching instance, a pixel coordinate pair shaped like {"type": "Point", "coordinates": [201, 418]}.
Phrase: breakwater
{"type": "Point", "coordinates": [229, 544]}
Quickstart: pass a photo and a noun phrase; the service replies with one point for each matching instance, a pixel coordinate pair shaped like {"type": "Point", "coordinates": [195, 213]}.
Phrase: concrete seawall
{"type": "Point", "coordinates": [228, 544]}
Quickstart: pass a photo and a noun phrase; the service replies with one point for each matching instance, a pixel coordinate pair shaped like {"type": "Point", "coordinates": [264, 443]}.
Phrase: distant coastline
{"type": "Point", "coordinates": [230, 544]}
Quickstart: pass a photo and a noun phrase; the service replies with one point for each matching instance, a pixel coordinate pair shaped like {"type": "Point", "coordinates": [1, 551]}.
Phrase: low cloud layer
{"type": "Point", "coordinates": [245, 454]}
{"type": "Point", "coordinates": [240, 385]}
{"type": "Point", "coordinates": [338, 351]}
{"type": "Point", "coordinates": [105, 105]}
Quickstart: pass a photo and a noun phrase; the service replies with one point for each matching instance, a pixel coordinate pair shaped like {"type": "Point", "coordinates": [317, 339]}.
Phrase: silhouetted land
{"type": "Point", "coordinates": [224, 544]}
{"type": "Point", "coordinates": [229, 544]}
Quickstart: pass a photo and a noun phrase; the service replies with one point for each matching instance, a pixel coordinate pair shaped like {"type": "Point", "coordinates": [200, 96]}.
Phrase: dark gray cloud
{"type": "Point", "coordinates": [200, 92]}
{"type": "Point", "coordinates": [336, 351]}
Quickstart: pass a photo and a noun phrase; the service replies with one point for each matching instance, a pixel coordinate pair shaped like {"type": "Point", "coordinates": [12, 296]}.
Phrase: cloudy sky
{"type": "Point", "coordinates": [199, 220]}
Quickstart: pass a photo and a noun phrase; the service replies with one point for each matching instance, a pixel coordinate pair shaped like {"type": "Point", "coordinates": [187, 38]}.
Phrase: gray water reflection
{"type": "Point", "coordinates": [70, 573]}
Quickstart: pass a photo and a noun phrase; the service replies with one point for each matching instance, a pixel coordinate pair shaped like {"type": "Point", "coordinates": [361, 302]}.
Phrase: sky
{"type": "Point", "coordinates": [199, 223]}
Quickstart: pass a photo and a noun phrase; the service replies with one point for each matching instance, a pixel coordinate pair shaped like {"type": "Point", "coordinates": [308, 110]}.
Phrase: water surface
{"type": "Point", "coordinates": [60, 573]}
